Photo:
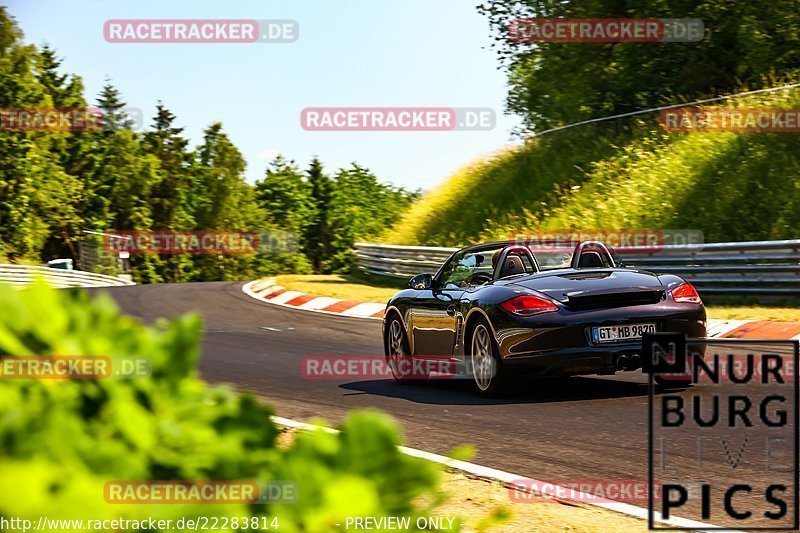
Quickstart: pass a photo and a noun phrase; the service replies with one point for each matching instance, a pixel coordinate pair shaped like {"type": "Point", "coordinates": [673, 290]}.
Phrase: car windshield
{"type": "Point", "coordinates": [553, 258]}
{"type": "Point", "coordinates": [469, 268]}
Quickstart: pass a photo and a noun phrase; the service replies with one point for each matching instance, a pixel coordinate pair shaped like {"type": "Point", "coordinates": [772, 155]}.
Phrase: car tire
{"type": "Point", "coordinates": [398, 353]}
{"type": "Point", "coordinates": [489, 376]}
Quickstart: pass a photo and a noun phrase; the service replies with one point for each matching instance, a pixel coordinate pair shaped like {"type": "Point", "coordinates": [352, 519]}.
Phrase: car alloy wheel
{"type": "Point", "coordinates": [398, 359]}
{"type": "Point", "coordinates": [483, 363]}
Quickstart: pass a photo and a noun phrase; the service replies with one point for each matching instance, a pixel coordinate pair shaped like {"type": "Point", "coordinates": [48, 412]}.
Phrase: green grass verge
{"type": "Point", "coordinates": [337, 286]}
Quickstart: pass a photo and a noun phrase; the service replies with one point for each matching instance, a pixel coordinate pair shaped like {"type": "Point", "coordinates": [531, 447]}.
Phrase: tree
{"type": "Point", "coordinates": [37, 196]}
{"type": "Point", "coordinates": [285, 195]}
{"type": "Point", "coordinates": [64, 90]}
{"type": "Point", "coordinates": [558, 83]}
{"type": "Point", "coordinates": [223, 200]}
{"type": "Point", "coordinates": [317, 235]}
{"type": "Point", "coordinates": [170, 196]}
{"type": "Point", "coordinates": [111, 103]}
{"type": "Point", "coordinates": [56, 183]}
{"type": "Point", "coordinates": [360, 207]}
{"type": "Point", "coordinates": [170, 206]}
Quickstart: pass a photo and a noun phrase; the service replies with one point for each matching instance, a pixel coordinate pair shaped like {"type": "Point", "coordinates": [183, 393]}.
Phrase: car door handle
{"type": "Point", "coordinates": [451, 310]}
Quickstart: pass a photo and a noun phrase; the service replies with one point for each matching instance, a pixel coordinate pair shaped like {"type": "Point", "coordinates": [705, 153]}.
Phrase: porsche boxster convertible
{"type": "Point", "coordinates": [497, 310]}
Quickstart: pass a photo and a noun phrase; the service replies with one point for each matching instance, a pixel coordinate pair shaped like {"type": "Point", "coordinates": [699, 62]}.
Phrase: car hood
{"type": "Point", "coordinates": [580, 286]}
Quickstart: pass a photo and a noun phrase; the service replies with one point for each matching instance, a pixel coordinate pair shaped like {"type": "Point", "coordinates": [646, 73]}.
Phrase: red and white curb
{"type": "Point", "coordinates": [521, 483]}
{"type": "Point", "coordinates": [267, 291]}
{"type": "Point", "coordinates": [752, 329]}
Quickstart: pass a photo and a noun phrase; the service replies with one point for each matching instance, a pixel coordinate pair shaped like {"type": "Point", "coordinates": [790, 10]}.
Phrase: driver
{"type": "Point", "coordinates": [495, 259]}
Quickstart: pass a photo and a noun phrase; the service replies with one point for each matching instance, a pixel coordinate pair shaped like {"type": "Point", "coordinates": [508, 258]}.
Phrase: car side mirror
{"type": "Point", "coordinates": [421, 282]}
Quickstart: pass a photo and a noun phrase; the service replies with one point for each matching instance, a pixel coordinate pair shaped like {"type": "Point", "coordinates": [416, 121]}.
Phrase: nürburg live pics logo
{"type": "Point", "coordinates": [723, 433]}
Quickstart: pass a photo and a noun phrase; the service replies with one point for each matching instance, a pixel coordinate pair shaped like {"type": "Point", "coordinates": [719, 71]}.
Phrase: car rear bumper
{"type": "Point", "coordinates": [569, 349]}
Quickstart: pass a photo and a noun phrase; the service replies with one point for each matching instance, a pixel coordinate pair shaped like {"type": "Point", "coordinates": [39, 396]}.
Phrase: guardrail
{"type": "Point", "coordinates": [755, 267]}
{"type": "Point", "coordinates": [25, 274]}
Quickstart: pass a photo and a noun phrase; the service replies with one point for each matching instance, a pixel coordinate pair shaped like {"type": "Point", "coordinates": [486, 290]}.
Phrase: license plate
{"type": "Point", "coordinates": [625, 332]}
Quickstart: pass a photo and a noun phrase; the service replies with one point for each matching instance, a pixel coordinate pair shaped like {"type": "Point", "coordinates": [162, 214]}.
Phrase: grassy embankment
{"type": "Point", "coordinates": [730, 185]}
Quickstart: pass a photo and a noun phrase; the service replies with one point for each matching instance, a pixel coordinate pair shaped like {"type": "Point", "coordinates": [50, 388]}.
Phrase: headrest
{"type": "Point", "coordinates": [512, 265]}
{"type": "Point", "coordinates": [590, 259]}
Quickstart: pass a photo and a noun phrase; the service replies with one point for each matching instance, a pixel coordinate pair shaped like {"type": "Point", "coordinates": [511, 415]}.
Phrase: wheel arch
{"type": "Point", "coordinates": [471, 318]}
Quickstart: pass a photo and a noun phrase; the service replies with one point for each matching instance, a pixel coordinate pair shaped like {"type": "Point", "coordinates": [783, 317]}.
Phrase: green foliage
{"type": "Point", "coordinates": [359, 472]}
{"type": "Point", "coordinates": [486, 192]}
{"type": "Point", "coordinates": [62, 440]}
{"type": "Point", "coordinates": [318, 232]}
{"type": "Point", "coordinates": [559, 83]}
{"type": "Point", "coordinates": [286, 195]}
{"type": "Point", "coordinates": [731, 186]}
{"type": "Point", "coordinates": [361, 207]}
{"type": "Point", "coordinates": [54, 185]}
{"type": "Point", "coordinates": [329, 215]}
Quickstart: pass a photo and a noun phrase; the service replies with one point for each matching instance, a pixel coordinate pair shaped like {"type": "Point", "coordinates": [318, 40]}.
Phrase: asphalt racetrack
{"type": "Point", "coordinates": [589, 428]}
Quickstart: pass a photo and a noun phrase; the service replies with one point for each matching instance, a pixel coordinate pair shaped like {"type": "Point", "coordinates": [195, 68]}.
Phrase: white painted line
{"type": "Point", "coordinates": [363, 310]}
{"type": "Point", "coordinates": [514, 481]}
{"type": "Point", "coordinates": [318, 303]}
{"type": "Point", "coordinates": [285, 297]}
{"type": "Point", "coordinates": [717, 328]}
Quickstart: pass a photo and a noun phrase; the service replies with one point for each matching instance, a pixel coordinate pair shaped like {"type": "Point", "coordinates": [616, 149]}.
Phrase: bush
{"type": "Point", "coordinates": [62, 440]}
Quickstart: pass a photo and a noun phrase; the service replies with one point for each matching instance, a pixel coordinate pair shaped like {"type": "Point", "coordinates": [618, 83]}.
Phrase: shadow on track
{"type": "Point", "coordinates": [461, 391]}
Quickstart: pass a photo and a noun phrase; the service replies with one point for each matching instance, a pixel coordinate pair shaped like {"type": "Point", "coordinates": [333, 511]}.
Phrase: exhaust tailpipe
{"type": "Point", "coordinates": [634, 362]}
{"type": "Point", "coordinates": [622, 362]}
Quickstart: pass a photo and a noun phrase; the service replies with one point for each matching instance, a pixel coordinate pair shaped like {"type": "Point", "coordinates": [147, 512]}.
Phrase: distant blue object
{"type": "Point", "coordinates": [63, 264]}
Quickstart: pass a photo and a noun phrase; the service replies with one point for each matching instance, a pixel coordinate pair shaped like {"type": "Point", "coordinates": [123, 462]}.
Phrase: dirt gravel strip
{"type": "Point", "coordinates": [517, 482]}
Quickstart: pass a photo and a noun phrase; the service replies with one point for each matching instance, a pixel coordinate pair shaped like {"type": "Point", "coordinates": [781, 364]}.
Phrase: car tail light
{"type": "Point", "coordinates": [529, 305]}
{"type": "Point", "coordinates": [685, 293]}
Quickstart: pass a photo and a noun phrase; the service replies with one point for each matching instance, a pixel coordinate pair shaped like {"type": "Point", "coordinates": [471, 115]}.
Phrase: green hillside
{"type": "Point", "coordinates": [730, 185]}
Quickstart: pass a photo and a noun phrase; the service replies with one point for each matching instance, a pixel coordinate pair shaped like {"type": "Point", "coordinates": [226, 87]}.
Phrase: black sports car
{"type": "Point", "coordinates": [493, 310]}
